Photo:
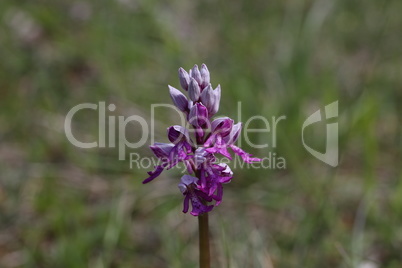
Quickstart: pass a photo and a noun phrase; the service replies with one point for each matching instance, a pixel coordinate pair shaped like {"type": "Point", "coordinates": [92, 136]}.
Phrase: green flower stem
{"type": "Point", "coordinates": [205, 258]}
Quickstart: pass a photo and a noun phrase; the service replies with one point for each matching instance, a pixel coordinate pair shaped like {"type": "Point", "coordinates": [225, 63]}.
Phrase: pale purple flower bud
{"type": "Point", "coordinates": [210, 98]}
{"type": "Point", "coordinates": [217, 99]}
{"type": "Point", "coordinates": [234, 134]}
{"type": "Point", "coordinates": [178, 133]}
{"type": "Point", "coordinates": [207, 97]}
{"type": "Point", "coordinates": [195, 73]}
{"type": "Point", "coordinates": [194, 90]}
{"type": "Point", "coordinates": [198, 115]}
{"type": "Point", "coordinates": [204, 76]}
{"type": "Point", "coordinates": [179, 99]}
{"type": "Point", "coordinates": [184, 78]}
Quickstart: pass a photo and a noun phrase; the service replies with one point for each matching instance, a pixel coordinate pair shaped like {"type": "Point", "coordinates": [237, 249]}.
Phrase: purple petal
{"type": "Point", "coordinates": [177, 134]}
{"type": "Point", "coordinates": [153, 174]}
{"type": "Point", "coordinates": [204, 196]}
{"type": "Point", "coordinates": [218, 168]}
{"type": "Point", "coordinates": [188, 179]}
{"type": "Point", "coordinates": [198, 207]}
{"type": "Point", "coordinates": [219, 195]}
{"type": "Point", "coordinates": [222, 126]}
{"type": "Point", "coordinates": [189, 166]}
{"type": "Point", "coordinates": [246, 156]}
{"type": "Point", "coordinates": [234, 134]}
{"type": "Point", "coordinates": [196, 197]}
{"type": "Point", "coordinates": [211, 140]}
{"type": "Point", "coordinates": [203, 181]}
{"type": "Point", "coordinates": [200, 156]}
{"type": "Point", "coordinates": [226, 172]}
{"type": "Point", "coordinates": [219, 147]}
{"type": "Point", "coordinates": [182, 188]}
{"type": "Point", "coordinates": [161, 150]}
{"type": "Point", "coordinates": [178, 154]}
{"type": "Point", "coordinates": [186, 203]}
{"type": "Point", "coordinates": [221, 172]}
{"type": "Point", "coordinates": [224, 179]}
{"type": "Point", "coordinates": [212, 188]}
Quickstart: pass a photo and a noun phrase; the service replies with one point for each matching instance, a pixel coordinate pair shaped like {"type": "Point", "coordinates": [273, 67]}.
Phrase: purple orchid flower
{"type": "Point", "coordinates": [188, 187]}
{"type": "Point", "coordinates": [204, 190]}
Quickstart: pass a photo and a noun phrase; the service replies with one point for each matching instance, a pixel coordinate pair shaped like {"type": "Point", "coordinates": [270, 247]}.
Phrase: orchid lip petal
{"type": "Point", "coordinates": [245, 156]}
{"type": "Point", "coordinates": [153, 174]}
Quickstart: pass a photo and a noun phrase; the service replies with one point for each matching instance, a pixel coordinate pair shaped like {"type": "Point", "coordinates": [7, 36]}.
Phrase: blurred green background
{"type": "Point", "coordinates": [62, 206]}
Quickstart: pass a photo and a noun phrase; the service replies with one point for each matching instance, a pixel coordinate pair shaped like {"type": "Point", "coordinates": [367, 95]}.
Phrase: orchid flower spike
{"type": "Point", "coordinates": [203, 188]}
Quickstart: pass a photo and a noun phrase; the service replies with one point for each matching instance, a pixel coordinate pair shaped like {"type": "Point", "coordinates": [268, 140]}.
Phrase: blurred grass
{"type": "Point", "coordinates": [61, 206]}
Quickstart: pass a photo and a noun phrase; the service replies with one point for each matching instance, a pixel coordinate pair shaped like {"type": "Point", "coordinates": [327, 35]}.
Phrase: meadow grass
{"type": "Point", "coordinates": [61, 206]}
